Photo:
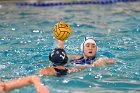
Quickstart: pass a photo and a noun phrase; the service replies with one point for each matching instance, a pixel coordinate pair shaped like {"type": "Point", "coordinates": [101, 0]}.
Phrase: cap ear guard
{"type": "Point", "coordinates": [82, 47]}
{"type": "Point", "coordinates": [50, 54]}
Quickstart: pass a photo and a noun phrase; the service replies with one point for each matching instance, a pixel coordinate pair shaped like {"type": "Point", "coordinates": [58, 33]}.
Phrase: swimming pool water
{"type": "Point", "coordinates": [26, 39]}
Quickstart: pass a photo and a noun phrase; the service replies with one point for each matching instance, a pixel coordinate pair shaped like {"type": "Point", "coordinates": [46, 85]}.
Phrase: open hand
{"type": "Point", "coordinates": [110, 60]}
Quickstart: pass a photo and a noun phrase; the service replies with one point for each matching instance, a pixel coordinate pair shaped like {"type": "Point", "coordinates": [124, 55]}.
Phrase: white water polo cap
{"type": "Point", "coordinates": [87, 40]}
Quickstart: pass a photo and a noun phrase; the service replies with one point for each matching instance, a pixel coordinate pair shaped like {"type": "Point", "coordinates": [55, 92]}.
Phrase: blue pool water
{"type": "Point", "coordinates": [26, 39]}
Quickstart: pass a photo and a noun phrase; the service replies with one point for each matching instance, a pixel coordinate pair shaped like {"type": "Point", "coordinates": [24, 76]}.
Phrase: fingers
{"type": "Point", "coordinates": [110, 60]}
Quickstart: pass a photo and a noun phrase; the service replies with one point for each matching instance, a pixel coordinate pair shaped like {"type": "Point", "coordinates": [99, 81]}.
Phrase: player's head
{"type": "Point", "coordinates": [58, 56]}
{"type": "Point", "coordinates": [89, 47]}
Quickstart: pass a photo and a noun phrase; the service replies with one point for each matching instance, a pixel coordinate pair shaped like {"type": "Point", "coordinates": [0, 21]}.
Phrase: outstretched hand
{"type": "Point", "coordinates": [110, 60]}
{"type": "Point", "coordinates": [103, 61]}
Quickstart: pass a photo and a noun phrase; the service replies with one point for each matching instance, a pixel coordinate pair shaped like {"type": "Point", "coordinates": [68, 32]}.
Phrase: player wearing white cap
{"type": "Point", "coordinates": [89, 49]}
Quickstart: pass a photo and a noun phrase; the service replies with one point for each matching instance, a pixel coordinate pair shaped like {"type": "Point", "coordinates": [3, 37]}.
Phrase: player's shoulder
{"type": "Point", "coordinates": [78, 56]}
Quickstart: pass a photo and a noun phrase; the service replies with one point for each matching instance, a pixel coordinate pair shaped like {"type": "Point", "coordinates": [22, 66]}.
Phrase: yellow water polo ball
{"type": "Point", "coordinates": [61, 30]}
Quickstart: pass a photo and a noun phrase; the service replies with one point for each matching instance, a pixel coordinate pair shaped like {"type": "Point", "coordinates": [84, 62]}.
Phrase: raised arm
{"type": "Point", "coordinates": [60, 44]}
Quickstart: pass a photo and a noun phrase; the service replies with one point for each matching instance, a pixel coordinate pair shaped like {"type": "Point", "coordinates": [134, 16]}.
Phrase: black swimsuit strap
{"type": "Point", "coordinates": [61, 72]}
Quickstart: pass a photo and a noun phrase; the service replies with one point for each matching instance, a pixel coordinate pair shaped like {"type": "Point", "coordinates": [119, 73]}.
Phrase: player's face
{"type": "Point", "coordinates": [90, 49]}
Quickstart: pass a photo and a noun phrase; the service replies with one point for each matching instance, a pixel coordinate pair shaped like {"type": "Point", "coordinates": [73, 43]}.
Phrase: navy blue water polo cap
{"type": "Point", "coordinates": [58, 56]}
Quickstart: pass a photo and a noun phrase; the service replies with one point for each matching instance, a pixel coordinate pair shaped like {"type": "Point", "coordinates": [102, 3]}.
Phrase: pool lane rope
{"type": "Point", "coordinates": [100, 2]}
